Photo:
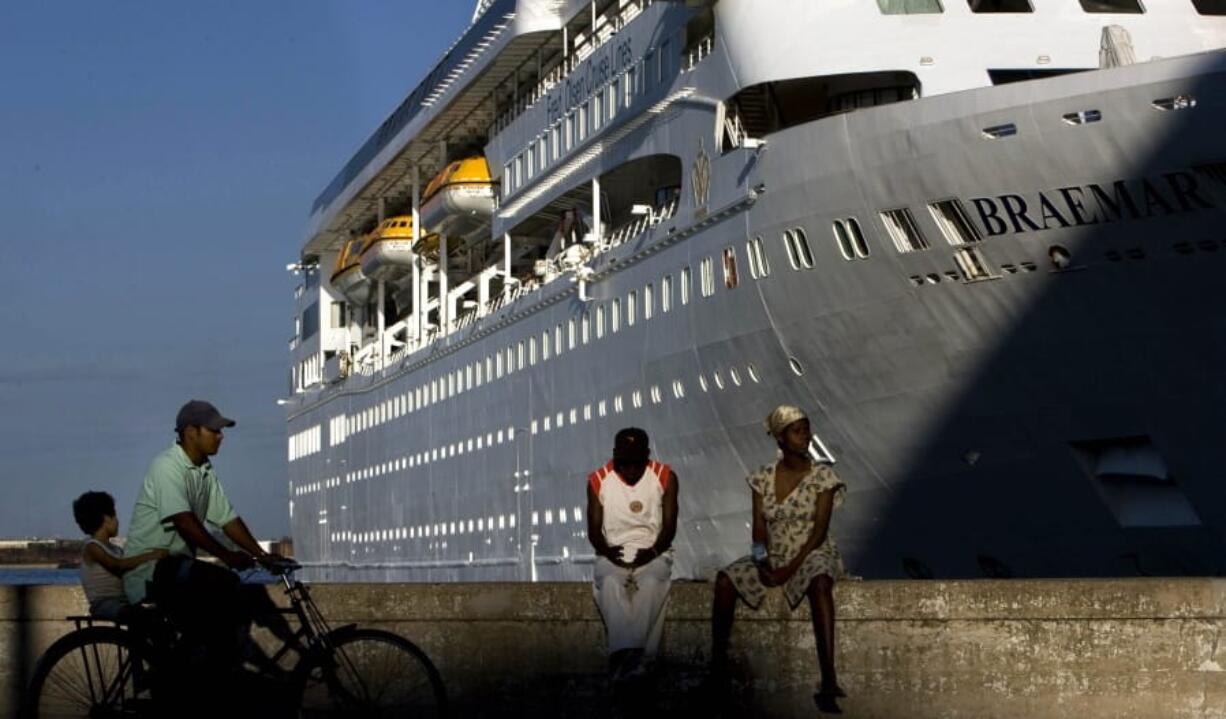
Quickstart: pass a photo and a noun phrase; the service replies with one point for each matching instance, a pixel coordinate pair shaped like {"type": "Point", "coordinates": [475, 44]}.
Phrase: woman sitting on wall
{"type": "Point", "coordinates": [792, 502]}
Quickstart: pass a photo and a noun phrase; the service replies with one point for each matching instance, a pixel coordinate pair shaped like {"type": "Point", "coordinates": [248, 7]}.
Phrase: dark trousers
{"type": "Point", "coordinates": [204, 602]}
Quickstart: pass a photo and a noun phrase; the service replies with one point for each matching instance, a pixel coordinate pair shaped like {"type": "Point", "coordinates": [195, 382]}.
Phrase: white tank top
{"type": "Point", "coordinates": [98, 583]}
{"type": "Point", "coordinates": [633, 514]}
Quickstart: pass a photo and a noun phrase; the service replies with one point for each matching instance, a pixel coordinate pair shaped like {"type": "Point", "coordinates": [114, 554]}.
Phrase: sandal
{"type": "Point", "coordinates": [826, 703]}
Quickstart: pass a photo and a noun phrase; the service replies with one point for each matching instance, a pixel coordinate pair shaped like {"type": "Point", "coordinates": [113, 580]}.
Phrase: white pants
{"type": "Point", "coordinates": [633, 622]}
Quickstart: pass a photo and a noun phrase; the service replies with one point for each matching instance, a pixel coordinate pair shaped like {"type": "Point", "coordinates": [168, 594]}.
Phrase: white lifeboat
{"type": "Point", "coordinates": [460, 198]}
{"type": "Point", "coordinates": [347, 277]}
{"type": "Point", "coordinates": [387, 254]}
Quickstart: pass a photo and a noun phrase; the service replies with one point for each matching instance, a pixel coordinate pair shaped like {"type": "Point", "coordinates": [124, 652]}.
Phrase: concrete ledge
{"type": "Point", "coordinates": [1034, 648]}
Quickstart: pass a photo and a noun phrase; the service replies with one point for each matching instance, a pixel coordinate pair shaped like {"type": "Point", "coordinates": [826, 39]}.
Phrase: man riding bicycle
{"type": "Point", "coordinates": [181, 493]}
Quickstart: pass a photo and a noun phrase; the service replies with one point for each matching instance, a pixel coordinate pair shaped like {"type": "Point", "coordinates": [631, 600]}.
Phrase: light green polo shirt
{"type": "Point", "coordinates": [172, 486]}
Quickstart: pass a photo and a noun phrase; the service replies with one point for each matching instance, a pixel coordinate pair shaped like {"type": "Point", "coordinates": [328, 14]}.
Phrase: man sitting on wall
{"type": "Point", "coordinates": [631, 522]}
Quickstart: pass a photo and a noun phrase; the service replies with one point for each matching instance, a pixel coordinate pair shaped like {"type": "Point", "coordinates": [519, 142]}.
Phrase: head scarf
{"type": "Point", "coordinates": [783, 415]}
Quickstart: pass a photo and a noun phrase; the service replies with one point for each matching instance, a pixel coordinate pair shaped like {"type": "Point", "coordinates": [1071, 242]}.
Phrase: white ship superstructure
{"type": "Point", "coordinates": [979, 240]}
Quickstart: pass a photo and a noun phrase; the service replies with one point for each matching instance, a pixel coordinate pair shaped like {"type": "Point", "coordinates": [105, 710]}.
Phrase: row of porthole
{"type": "Point", "coordinates": [457, 528]}
{"type": "Point", "coordinates": [549, 422]}
{"type": "Point", "coordinates": [934, 278]}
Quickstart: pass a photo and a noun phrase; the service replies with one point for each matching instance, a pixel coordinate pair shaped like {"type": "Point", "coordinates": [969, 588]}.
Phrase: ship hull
{"type": "Point", "coordinates": [963, 415]}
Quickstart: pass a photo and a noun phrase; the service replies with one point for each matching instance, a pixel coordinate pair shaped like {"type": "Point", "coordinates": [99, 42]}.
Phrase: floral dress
{"type": "Point", "coordinates": [788, 526]}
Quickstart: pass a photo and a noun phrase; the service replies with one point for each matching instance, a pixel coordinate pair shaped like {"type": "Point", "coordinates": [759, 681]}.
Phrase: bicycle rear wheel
{"type": "Point", "coordinates": [370, 673]}
{"type": "Point", "coordinates": [92, 672]}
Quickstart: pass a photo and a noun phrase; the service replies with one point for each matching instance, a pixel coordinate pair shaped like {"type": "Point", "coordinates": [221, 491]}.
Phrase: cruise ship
{"type": "Point", "coordinates": [977, 240]}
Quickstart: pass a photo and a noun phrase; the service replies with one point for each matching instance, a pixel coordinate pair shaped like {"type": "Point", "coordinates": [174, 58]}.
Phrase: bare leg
{"type": "Point", "coordinates": [821, 605]}
{"type": "Point", "coordinates": [723, 609]}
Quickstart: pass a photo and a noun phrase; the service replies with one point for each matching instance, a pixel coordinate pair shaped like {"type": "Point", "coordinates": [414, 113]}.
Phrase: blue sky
{"type": "Point", "coordinates": [157, 163]}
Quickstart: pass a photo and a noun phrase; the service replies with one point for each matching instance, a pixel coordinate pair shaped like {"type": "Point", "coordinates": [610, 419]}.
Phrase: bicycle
{"type": "Point", "coordinates": [107, 669]}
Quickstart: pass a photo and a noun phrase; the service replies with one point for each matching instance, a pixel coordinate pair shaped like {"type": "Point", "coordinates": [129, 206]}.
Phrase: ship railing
{"type": "Point", "coordinates": [699, 52]}
{"type": "Point", "coordinates": [586, 43]}
{"type": "Point", "coordinates": [637, 227]}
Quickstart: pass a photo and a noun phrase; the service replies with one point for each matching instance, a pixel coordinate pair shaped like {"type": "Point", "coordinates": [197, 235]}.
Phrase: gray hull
{"type": "Point", "coordinates": [963, 415]}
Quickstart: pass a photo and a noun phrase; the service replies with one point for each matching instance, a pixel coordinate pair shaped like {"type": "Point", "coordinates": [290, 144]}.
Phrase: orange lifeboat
{"type": "Point", "coordinates": [387, 254]}
{"type": "Point", "coordinates": [347, 277]}
{"type": "Point", "coordinates": [460, 198]}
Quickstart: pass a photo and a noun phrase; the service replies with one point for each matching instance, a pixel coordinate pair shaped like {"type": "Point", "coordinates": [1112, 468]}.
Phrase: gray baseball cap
{"type": "Point", "coordinates": [199, 413]}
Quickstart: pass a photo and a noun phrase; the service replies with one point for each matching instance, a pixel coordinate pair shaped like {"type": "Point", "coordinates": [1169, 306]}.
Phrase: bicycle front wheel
{"type": "Point", "coordinates": [371, 673]}
{"type": "Point", "coordinates": [92, 672]}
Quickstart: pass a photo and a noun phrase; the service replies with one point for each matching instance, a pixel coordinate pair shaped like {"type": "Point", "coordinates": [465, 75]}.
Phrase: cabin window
{"type": "Point", "coordinates": [632, 301]}
{"type": "Point", "coordinates": [519, 351]}
{"type": "Point", "coordinates": [510, 359]}
{"type": "Point", "coordinates": [666, 293]}
{"type": "Point", "coordinates": [1132, 7]}
{"type": "Point", "coordinates": [901, 227]}
{"type": "Point", "coordinates": [630, 79]}
{"type": "Point", "coordinates": [598, 111]}
{"type": "Point", "coordinates": [1210, 7]}
{"type": "Point", "coordinates": [585, 327]}
{"type": "Point", "coordinates": [758, 265]}
{"type": "Point", "coordinates": [1000, 5]}
{"type": "Point", "coordinates": [583, 120]}
{"type": "Point", "coordinates": [797, 244]}
{"type": "Point", "coordinates": [600, 313]}
{"type": "Point", "coordinates": [636, 398]}
{"type": "Point", "coordinates": [570, 334]}
{"type": "Point", "coordinates": [953, 222]}
{"type": "Point", "coordinates": [557, 339]}
{"type": "Point", "coordinates": [615, 308]}
{"type": "Point", "coordinates": [972, 264]}
{"type": "Point", "coordinates": [909, 7]}
{"type": "Point", "coordinates": [571, 132]}
{"type": "Point", "coordinates": [843, 238]}
{"type": "Point", "coordinates": [339, 315]}
{"type": "Point", "coordinates": [707, 276]}
{"type": "Point", "coordinates": [545, 345]}
{"type": "Point", "coordinates": [556, 135]}
{"type": "Point", "coordinates": [532, 351]}
{"type": "Point", "coordinates": [685, 285]}
{"type": "Point", "coordinates": [498, 365]}
{"type": "Point", "coordinates": [858, 243]}
{"type": "Point", "coordinates": [730, 278]}
{"type": "Point", "coordinates": [648, 301]}
{"type": "Point", "coordinates": [615, 93]}
{"type": "Point", "coordinates": [649, 62]}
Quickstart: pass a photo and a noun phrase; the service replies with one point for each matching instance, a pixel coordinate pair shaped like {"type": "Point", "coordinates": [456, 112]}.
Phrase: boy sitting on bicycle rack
{"type": "Point", "coordinates": [102, 562]}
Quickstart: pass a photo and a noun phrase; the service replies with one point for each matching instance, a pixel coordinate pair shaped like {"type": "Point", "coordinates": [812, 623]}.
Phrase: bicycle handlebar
{"type": "Point", "coordinates": [279, 566]}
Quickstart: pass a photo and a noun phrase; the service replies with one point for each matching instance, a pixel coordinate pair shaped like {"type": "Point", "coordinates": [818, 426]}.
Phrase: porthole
{"type": "Point", "coordinates": [797, 368]}
{"type": "Point", "coordinates": [735, 376]}
{"type": "Point", "coordinates": [702, 382]}
{"type": "Point", "coordinates": [753, 373]}
{"type": "Point", "coordinates": [719, 379]}
{"type": "Point", "coordinates": [656, 397]}
{"type": "Point", "coordinates": [637, 399]}
{"type": "Point", "coordinates": [678, 389]}
{"type": "Point", "coordinates": [617, 404]}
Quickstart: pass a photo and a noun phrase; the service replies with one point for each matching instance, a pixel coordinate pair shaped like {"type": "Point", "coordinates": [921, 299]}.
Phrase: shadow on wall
{"type": "Point", "coordinates": [1086, 437]}
{"type": "Point", "coordinates": [18, 643]}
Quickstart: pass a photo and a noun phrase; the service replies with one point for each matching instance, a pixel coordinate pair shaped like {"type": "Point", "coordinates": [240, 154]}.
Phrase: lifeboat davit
{"type": "Point", "coordinates": [387, 253]}
{"type": "Point", "coordinates": [460, 198]}
{"type": "Point", "coordinates": [347, 277]}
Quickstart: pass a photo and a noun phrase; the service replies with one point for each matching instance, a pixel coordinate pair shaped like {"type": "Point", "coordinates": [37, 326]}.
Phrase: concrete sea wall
{"type": "Point", "coordinates": [1018, 648]}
